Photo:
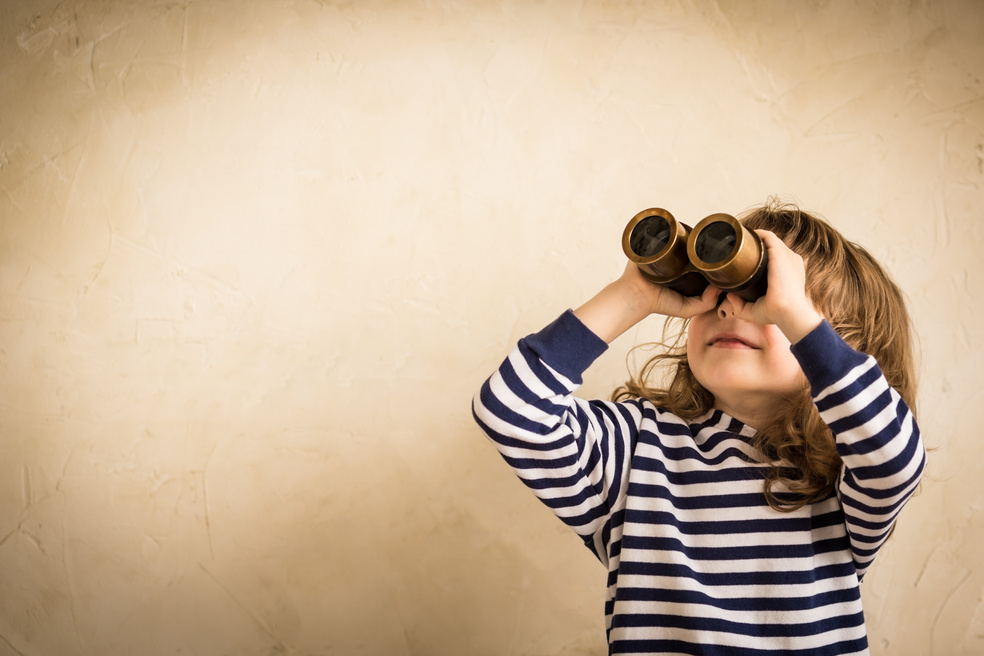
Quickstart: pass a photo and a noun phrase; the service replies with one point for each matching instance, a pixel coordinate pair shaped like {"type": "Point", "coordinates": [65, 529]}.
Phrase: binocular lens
{"type": "Point", "coordinates": [715, 242]}
{"type": "Point", "coordinates": [650, 236]}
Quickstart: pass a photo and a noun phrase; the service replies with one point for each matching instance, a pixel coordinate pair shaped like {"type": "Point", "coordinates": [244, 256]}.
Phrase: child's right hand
{"type": "Point", "coordinates": [632, 298]}
{"type": "Point", "coordinates": [656, 299]}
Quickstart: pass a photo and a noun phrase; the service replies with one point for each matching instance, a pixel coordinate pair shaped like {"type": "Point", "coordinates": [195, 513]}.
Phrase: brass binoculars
{"type": "Point", "coordinates": [718, 251]}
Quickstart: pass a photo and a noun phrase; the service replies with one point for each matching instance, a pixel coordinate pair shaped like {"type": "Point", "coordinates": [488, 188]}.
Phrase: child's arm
{"type": "Point", "coordinates": [572, 453]}
{"type": "Point", "coordinates": [876, 435]}
{"type": "Point", "coordinates": [875, 432]}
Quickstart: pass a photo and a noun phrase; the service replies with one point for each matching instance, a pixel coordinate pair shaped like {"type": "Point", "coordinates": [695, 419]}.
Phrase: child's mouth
{"type": "Point", "coordinates": [730, 342]}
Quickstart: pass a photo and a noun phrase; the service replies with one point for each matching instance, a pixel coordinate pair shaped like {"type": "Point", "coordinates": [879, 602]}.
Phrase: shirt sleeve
{"type": "Point", "coordinates": [573, 454]}
{"type": "Point", "coordinates": [876, 434]}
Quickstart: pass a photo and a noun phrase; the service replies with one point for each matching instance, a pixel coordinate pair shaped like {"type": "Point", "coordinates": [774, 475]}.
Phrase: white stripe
{"type": "Point", "coordinates": [735, 640]}
{"type": "Point", "coordinates": [885, 417]}
{"type": "Point", "coordinates": [851, 406]}
{"type": "Point", "coordinates": [737, 540]}
{"type": "Point", "coordinates": [857, 491]}
{"type": "Point", "coordinates": [887, 451]}
{"type": "Point", "coordinates": [532, 381]}
{"type": "Point", "coordinates": [849, 379]}
{"type": "Point", "coordinates": [736, 565]}
{"type": "Point", "coordinates": [696, 491]}
{"type": "Point", "coordinates": [734, 592]}
{"type": "Point", "coordinates": [688, 443]}
{"type": "Point", "coordinates": [510, 400]}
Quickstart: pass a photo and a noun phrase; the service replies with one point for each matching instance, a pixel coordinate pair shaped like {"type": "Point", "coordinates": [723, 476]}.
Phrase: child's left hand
{"type": "Point", "coordinates": [786, 303]}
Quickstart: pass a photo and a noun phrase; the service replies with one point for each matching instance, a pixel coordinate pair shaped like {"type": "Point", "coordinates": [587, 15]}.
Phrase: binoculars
{"type": "Point", "coordinates": [719, 251]}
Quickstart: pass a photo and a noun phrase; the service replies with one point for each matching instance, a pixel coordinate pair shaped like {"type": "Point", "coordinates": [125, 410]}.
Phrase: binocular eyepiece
{"type": "Point", "coordinates": [718, 251]}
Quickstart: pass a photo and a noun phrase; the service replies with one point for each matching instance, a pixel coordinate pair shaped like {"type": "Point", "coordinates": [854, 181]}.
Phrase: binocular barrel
{"type": "Point", "coordinates": [718, 251]}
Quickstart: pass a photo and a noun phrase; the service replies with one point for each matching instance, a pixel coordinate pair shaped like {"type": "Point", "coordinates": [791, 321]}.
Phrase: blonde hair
{"type": "Point", "coordinates": [862, 303]}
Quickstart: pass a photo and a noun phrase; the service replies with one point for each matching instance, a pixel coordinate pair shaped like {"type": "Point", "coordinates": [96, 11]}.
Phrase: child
{"type": "Point", "coordinates": [737, 509]}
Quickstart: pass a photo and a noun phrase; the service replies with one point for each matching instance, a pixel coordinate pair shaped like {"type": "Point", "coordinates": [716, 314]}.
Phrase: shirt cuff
{"type": "Point", "coordinates": [825, 357]}
{"type": "Point", "coordinates": [567, 345]}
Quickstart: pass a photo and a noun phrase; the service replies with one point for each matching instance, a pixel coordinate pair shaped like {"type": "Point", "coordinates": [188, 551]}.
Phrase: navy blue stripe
{"type": "Point", "coordinates": [718, 420]}
{"type": "Point", "coordinates": [890, 469]}
{"type": "Point", "coordinates": [696, 476]}
{"type": "Point", "coordinates": [748, 552]}
{"type": "Point", "coordinates": [702, 649]}
{"type": "Point", "coordinates": [875, 441]}
{"type": "Point", "coordinates": [544, 375]}
{"type": "Point", "coordinates": [862, 415]}
{"type": "Point", "coordinates": [548, 483]}
{"type": "Point", "coordinates": [621, 448]}
{"type": "Point", "coordinates": [582, 495]}
{"type": "Point", "coordinates": [864, 554]}
{"type": "Point", "coordinates": [898, 492]}
{"type": "Point", "coordinates": [698, 623]}
{"type": "Point", "coordinates": [617, 521]}
{"type": "Point", "coordinates": [867, 539]}
{"type": "Point", "coordinates": [722, 501]}
{"type": "Point", "coordinates": [740, 604]}
{"type": "Point", "coordinates": [511, 442]}
{"type": "Point", "coordinates": [505, 440]}
{"type": "Point", "coordinates": [758, 578]}
{"type": "Point", "coordinates": [692, 454]}
{"type": "Point", "coordinates": [863, 382]}
{"type": "Point", "coordinates": [523, 464]}
{"type": "Point", "coordinates": [606, 416]}
{"type": "Point", "coordinates": [857, 522]}
{"type": "Point", "coordinates": [576, 522]}
{"type": "Point", "coordinates": [889, 511]}
{"type": "Point", "coordinates": [712, 440]}
{"type": "Point", "coordinates": [593, 450]}
{"type": "Point", "coordinates": [498, 409]}
{"type": "Point", "coordinates": [779, 524]}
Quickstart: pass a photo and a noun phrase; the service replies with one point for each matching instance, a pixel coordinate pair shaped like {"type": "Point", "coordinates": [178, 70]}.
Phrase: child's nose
{"type": "Point", "coordinates": [724, 307]}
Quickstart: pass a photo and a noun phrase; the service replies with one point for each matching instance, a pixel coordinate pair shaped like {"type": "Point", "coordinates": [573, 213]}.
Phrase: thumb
{"type": "Point", "coordinates": [694, 305]}
{"type": "Point", "coordinates": [741, 308]}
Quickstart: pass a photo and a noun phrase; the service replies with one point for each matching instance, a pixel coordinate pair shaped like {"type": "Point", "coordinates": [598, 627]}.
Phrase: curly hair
{"type": "Point", "coordinates": [860, 301]}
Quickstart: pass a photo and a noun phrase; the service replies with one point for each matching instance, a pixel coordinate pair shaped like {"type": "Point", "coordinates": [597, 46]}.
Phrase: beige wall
{"type": "Point", "coordinates": [256, 256]}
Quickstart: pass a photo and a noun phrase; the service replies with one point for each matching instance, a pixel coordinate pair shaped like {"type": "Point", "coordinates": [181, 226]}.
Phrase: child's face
{"type": "Point", "coordinates": [746, 366]}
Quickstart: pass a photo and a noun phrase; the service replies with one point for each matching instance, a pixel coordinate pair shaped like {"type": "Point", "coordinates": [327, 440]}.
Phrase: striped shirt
{"type": "Point", "coordinates": [698, 562]}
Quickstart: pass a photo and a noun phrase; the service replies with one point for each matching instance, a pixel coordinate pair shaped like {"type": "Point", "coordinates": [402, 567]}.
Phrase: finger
{"type": "Point", "coordinates": [711, 294]}
{"type": "Point", "coordinates": [774, 245]}
{"type": "Point", "coordinates": [694, 305]}
{"type": "Point", "coordinates": [769, 237]}
{"type": "Point", "coordinates": [742, 308]}
{"type": "Point", "coordinates": [709, 298]}
{"type": "Point", "coordinates": [785, 264]}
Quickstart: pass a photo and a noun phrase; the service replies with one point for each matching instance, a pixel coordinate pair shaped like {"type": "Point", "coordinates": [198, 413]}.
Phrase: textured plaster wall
{"type": "Point", "coordinates": [256, 256]}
